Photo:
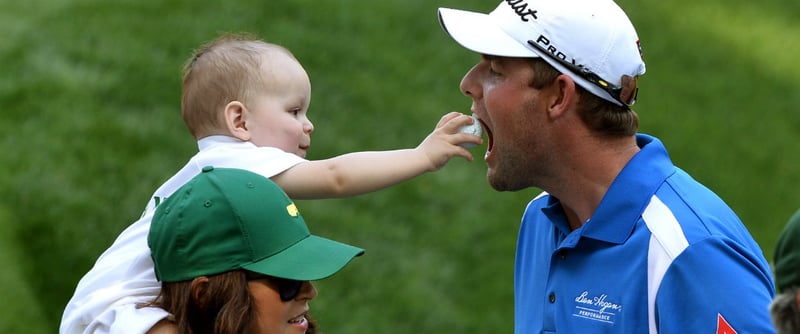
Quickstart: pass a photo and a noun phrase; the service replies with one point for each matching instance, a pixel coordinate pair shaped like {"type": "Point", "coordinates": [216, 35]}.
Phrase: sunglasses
{"type": "Point", "coordinates": [625, 94]}
{"type": "Point", "coordinates": [288, 289]}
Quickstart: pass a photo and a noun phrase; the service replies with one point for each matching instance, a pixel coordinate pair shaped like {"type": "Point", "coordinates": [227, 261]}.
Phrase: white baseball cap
{"type": "Point", "coordinates": [591, 41]}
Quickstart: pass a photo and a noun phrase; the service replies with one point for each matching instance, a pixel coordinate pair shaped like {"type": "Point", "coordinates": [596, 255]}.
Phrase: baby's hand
{"type": "Point", "coordinates": [446, 141]}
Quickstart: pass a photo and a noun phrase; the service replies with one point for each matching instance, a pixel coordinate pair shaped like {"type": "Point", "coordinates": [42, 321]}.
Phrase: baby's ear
{"type": "Point", "coordinates": [235, 120]}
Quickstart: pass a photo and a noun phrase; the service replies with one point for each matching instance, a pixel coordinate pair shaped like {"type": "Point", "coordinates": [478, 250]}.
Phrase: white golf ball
{"type": "Point", "coordinates": [473, 129]}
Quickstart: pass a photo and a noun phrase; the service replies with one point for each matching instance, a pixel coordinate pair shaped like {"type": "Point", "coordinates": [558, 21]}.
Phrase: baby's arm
{"type": "Point", "coordinates": [363, 172]}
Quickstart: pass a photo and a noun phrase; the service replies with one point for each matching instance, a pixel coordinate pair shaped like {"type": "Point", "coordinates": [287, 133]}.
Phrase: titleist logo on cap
{"type": "Point", "coordinates": [521, 8]}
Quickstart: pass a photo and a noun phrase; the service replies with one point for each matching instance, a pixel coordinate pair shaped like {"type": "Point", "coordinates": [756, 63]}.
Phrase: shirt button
{"type": "Point", "coordinates": [562, 254]}
{"type": "Point", "coordinates": [552, 297]}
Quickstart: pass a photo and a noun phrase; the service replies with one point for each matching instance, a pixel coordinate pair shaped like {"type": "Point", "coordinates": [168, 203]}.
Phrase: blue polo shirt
{"type": "Point", "coordinates": [661, 254]}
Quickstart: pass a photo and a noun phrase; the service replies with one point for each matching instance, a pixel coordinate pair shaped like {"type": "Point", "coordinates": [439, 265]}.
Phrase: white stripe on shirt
{"type": "Point", "coordinates": [667, 241]}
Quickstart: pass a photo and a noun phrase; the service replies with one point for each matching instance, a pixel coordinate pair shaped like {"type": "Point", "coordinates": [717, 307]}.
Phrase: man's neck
{"type": "Point", "coordinates": [588, 176]}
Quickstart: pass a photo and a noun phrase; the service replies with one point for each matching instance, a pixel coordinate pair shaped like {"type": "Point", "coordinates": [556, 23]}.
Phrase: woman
{"type": "Point", "coordinates": [235, 256]}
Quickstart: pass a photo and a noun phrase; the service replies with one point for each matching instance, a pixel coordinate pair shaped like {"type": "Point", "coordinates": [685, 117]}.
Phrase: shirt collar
{"type": "Point", "coordinates": [629, 194]}
{"type": "Point", "coordinates": [209, 142]}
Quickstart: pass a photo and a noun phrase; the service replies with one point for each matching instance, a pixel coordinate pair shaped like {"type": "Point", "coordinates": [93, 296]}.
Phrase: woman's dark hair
{"type": "Point", "coordinates": [224, 305]}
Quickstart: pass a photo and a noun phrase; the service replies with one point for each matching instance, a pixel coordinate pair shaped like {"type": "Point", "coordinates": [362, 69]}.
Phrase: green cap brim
{"type": "Point", "coordinates": [310, 259]}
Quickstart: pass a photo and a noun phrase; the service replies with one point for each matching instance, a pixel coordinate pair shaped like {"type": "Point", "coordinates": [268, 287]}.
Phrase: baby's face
{"type": "Point", "coordinates": [277, 117]}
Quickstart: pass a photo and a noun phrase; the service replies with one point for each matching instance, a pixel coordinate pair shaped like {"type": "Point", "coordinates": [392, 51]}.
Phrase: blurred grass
{"type": "Point", "coordinates": [90, 95]}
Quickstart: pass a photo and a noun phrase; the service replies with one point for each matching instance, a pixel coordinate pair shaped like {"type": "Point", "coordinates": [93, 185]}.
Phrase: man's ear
{"type": "Point", "coordinates": [561, 96]}
{"type": "Point", "coordinates": [235, 120]}
{"type": "Point", "coordinates": [199, 288]}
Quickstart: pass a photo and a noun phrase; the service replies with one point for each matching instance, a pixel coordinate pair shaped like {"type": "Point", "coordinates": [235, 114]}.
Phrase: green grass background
{"type": "Point", "coordinates": [90, 92]}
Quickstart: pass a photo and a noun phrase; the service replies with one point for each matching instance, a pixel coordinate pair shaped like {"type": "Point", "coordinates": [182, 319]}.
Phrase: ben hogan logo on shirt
{"type": "Point", "coordinates": [596, 307]}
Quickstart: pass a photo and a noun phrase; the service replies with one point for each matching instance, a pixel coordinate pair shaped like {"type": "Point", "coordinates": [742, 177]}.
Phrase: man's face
{"type": "Point", "coordinates": [514, 118]}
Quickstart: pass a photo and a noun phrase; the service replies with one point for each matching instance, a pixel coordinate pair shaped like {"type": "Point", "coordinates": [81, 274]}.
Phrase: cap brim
{"type": "Point", "coordinates": [310, 259]}
{"type": "Point", "coordinates": [477, 32]}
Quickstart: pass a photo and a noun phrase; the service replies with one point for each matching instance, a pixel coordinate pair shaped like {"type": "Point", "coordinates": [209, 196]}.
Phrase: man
{"type": "Point", "coordinates": [621, 240]}
{"type": "Point", "coordinates": [785, 309]}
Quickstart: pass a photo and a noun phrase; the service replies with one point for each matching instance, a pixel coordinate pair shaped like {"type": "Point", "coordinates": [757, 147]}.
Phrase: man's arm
{"type": "Point", "coordinates": [715, 285]}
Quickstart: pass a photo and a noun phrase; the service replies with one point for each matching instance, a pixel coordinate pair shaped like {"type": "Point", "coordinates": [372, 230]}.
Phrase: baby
{"type": "Point", "coordinates": [245, 101]}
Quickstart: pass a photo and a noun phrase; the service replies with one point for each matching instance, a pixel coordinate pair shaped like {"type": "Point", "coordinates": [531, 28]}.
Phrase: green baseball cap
{"type": "Point", "coordinates": [226, 219]}
{"type": "Point", "coordinates": [787, 255]}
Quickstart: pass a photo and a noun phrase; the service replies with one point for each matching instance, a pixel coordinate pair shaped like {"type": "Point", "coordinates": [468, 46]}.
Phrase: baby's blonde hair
{"type": "Point", "coordinates": [224, 70]}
